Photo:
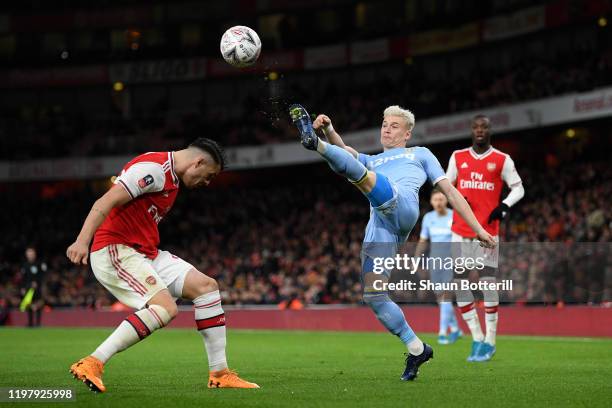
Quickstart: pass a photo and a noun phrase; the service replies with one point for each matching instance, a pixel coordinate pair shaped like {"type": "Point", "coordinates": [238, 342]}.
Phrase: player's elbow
{"type": "Point", "coordinates": [520, 192]}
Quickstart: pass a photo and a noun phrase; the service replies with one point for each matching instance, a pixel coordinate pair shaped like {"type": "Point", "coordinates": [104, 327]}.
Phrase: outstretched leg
{"type": "Point", "coordinates": [160, 310]}
{"type": "Point", "coordinates": [340, 160]}
{"type": "Point", "coordinates": [134, 282]}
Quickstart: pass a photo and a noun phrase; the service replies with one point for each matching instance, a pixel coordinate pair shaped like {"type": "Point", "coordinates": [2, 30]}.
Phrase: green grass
{"type": "Point", "coordinates": [312, 369]}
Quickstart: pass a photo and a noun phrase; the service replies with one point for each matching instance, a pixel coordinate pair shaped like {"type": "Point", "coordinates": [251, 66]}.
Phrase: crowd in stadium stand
{"type": "Point", "coordinates": [261, 118]}
{"type": "Point", "coordinates": [300, 245]}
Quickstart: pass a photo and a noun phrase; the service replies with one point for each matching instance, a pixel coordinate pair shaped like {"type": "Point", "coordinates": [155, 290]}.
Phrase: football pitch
{"type": "Point", "coordinates": [311, 369]}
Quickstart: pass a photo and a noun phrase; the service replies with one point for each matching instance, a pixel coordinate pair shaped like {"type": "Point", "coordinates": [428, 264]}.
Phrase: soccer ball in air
{"type": "Point", "coordinates": [240, 46]}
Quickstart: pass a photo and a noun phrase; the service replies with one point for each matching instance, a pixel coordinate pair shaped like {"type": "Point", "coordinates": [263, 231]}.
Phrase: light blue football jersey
{"type": "Point", "coordinates": [407, 168]}
{"type": "Point", "coordinates": [436, 227]}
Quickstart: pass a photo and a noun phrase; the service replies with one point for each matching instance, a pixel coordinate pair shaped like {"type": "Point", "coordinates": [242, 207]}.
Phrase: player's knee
{"type": "Point", "coordinates": [206, 284]}
{"type": "Point", "coordinates": [165, 312]}
{"type": "Point", "coordinates": [172, 310]}
{"type": "Point", "coordinates": [381, 192]}
{"type": "Point", "coordinates": [165, 305]}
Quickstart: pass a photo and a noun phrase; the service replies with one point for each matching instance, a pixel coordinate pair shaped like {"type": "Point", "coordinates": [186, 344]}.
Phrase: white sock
{"type": "Point", "coordinates": [134, 328]}
{"type": "Point", "coordinates": [415, 347]}
{"type": "Point", "coordinates": [491, 321]}
{"type": "Point", "coordinates": [210, 320]}
{"type": "Point", "coordinates": [491, 301]}
{"type": "Point", "coordinates": [468, 311]}
{"type": "Point", "coordinates": [321, 146]}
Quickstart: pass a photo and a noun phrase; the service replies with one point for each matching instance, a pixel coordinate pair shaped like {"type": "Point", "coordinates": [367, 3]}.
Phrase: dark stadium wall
{"type": "Point", "coordinates": [583, 321]}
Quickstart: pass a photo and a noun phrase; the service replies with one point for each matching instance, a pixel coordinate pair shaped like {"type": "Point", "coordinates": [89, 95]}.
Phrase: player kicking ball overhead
{"type": "Point", "coordinates": [126, 261]}
{"type": "Point", "coordinates": [391, 181]}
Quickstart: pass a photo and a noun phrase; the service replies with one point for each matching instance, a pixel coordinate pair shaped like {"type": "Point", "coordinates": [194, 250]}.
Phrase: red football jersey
{"type": "Point", "coordinates": [153, 185]}
{"type": "Point", "coordinates": [479, 178]}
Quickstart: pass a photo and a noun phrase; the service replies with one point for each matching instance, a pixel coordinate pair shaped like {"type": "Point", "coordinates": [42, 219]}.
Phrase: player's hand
{"type": "Point", "coordinates": [321, 122]}
{"type": "Point", "coordinates": [499, 213]}
{"type": "Point", "coordinates": [486, 239]}
{"type": "Point", "coordinates": [78, 253]}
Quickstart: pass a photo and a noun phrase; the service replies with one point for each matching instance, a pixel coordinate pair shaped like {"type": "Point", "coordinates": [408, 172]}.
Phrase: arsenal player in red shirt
{"type": "Point", "coordinates": [126, 261]}
{"type": "Point", "coordinates": [479, 173]}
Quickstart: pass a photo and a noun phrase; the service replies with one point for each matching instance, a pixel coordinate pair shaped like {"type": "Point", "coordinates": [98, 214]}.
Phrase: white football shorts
{"type": "Point", "coordinates": [470, 248]}
{"type": "Point", "coordinates": [133, 278]}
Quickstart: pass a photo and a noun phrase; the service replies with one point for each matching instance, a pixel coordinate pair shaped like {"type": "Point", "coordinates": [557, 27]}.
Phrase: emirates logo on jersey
{"type": "Point", "coordinates": [491, 166]}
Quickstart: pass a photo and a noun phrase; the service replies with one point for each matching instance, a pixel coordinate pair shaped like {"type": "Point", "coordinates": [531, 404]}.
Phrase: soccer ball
{"type": "Point", "coordinates": [240, 46]}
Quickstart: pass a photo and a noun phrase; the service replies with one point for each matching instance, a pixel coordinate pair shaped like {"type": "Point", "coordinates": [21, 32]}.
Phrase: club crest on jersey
{"type": "Point", "coordinates": [151, 280]}
{"type": "Point", "coordinates": [491, 166]}
{"type": "Point", "coordinates": [145, 181]}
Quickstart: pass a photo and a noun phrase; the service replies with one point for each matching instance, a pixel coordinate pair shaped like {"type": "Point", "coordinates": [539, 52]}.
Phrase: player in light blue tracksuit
{"type": "Point", "coordinates": [391, 181]}
{"type": "Point", "coordinates": [436, 229]}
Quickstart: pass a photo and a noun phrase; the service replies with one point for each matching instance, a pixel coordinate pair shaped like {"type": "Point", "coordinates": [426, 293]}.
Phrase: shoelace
{"type": "Point", "coordinates": [233, 375]}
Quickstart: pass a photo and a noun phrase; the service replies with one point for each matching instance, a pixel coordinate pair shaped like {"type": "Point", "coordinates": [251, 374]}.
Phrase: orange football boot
{"type": "Point", "coordinates": [89, 370]}
{"type": "Point", "coordinates": [227, 378]}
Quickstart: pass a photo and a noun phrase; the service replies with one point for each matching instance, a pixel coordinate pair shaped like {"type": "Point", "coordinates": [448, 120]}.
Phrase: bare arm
{"type": "Point", "coordinates": [457, 201]}
{"type": "Point", "coordinates": [115, 197]}
{"type": "Point", "coordinates": [421, 247]}
{"type": "Point", "coordinates": [323, 122]}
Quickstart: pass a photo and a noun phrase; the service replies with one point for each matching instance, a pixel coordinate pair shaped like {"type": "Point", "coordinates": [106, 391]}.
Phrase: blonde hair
{"type": "Point", "coordinates": [396, 110]}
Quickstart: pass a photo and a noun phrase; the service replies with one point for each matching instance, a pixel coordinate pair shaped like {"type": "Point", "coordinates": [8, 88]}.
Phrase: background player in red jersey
{"type": "Point", "coordinates": [126, 260]}
{"type": "Point", "coordinates": [479, 173]}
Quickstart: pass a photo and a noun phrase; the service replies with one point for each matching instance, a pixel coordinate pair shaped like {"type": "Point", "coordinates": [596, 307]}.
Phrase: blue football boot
{"type": "Point", "coordinates": [443, 339]}
{"type": "Point", "coordinates": [476, 345]}
{"type": "Point", "coordinates": [485, 353]}
{"type": "Point", "coordinates": [302, 121]}
{"type": "Point", "coordinates": [454, 336]}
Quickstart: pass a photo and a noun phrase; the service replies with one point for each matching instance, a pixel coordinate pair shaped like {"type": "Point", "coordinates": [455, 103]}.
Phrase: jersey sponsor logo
{"type": "Point", "coordinates": [383, 160]}
{"type": "Point", "coordinates": [440, 230]}
{"type": "Point", "coordinates": [151, 280]}
{"type": "Point", "coordinates": [476, 183]}
{"type": "Point", "coordinates": [145, 181]}
{"type": "Point", "coordinates": [157, 217]}
{"type": "Point", "coordinates": [491, 166]}
{"type": "Point", "coordinates": [464, 165]}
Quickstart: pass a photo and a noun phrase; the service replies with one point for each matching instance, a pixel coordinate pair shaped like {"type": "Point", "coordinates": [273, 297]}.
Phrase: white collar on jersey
{"type": "Point", "coordinates": [174, 176]}
{"type": "Point", "coordinates": [482, 155]}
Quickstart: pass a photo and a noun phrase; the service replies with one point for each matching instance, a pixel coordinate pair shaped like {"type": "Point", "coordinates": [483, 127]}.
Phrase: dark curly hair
{"type": "Point", "coordinates": [211, 147]}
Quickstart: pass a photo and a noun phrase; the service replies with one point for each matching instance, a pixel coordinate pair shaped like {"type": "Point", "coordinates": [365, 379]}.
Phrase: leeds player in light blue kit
{"type": "Point", "coordinates": [391, 181]}
{"type": "Point", "coordinates": [436, 229]}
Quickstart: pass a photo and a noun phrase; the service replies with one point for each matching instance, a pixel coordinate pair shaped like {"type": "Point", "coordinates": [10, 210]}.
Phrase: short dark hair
{"type": "Point", "coordinates": [436, 190]}
{"type": "Point", "coordinates": [211, 147]}
{"type": "Point", "coordinates": [481, 116]}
